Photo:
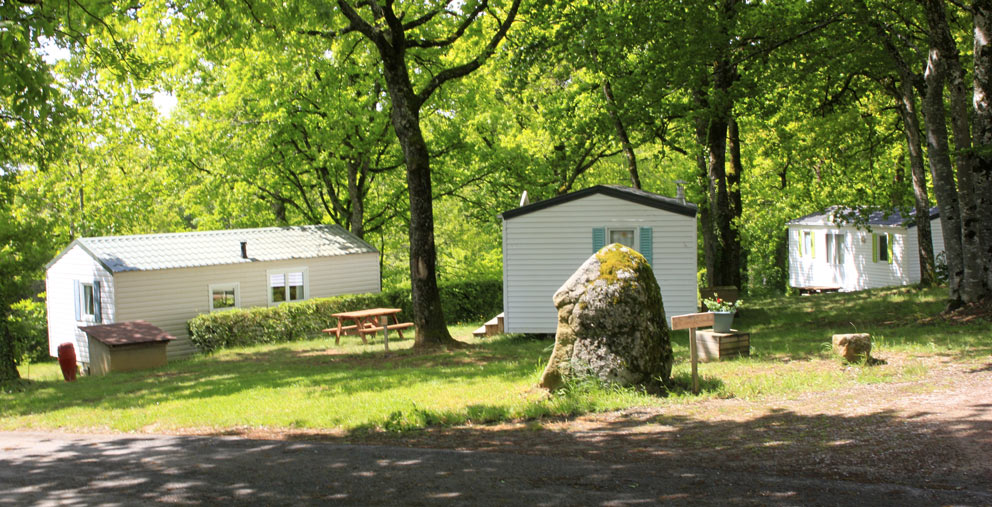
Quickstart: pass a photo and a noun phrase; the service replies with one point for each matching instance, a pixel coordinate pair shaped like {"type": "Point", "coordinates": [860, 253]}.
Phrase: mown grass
{"type": "Point", "coordinates": [354, 387]}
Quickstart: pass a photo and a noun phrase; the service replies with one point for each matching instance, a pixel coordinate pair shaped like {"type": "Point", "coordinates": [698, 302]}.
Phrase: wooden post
{"type": "Point", "coordinates": [694, 359]}
{"type": "Point", "coordinates": [691, 321]}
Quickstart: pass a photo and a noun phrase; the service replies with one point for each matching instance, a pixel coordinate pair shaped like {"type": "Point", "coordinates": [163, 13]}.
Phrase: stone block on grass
{"type": "Point", "coordinates": [854, 347]}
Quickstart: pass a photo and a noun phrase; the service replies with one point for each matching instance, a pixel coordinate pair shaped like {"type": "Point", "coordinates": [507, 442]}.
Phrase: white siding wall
{"type": "Point", "coordinates": [543, 248]}
{"type": "Point", "coordinates": [75, 265]}
{"type": "Point", "coordinates": [937, 235]}
{"type": "Point", "coordinates": [858, 271]}
{"type": "Point", "coordinates": [168, 298]}
{"type": "Point", "coordinates": [911, 252]}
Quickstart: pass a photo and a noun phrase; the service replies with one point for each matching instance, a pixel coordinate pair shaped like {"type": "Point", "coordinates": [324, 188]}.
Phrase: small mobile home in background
{"type": "Point", "coordinates": [167, 279]}
{"type": "Point", "coordinates": [828, 250]}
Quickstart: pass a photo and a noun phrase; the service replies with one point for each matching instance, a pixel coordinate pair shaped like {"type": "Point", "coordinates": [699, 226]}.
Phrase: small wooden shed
{"type": "Point", "coordinates": [830, 250]}
{"type": "Point", "coordinates": [167, 279]}
{"type": "Point", "coordinates": [545, 242]}
{"type": "Point", "coordinates": [126, 346]}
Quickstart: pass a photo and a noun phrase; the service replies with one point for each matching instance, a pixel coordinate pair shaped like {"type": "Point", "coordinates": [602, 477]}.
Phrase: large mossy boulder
{"type": "Point", "coordinates": [611, 323]}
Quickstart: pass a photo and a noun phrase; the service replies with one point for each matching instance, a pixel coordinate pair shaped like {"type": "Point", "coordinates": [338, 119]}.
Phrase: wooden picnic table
{"type": "Point", "coordinates": [369, 321]}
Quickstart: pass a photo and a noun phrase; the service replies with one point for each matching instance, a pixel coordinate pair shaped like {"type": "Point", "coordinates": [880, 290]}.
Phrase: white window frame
{"type": "Point", "coordinates": [85, 312]}
{"type": "Point", "coordinates": [631, 230]}
{"type": "Point", "coordinates": [285, 272]}
{"type": "Point", "coordinates": [223, 286]}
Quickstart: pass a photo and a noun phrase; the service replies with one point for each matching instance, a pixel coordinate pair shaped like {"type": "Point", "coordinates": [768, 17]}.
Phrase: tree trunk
{"type": "Point", "coordinates": [705, 220]}
{"type": "Point", "coordinates": [356, 215]}
{"type": "Point", "coordinates": [982, 131]}
{"type": "Point", "coordinates": [8, 369]}
{"type": "Point", "coordinates": [726, 269]}
{"type": "Point", "coordinates": [942, 173]}
{"type": "Point", "coordinates": [628, 149]}
{"type": "Point", "coordinates": [734, 188]}
{"type": "Point", "coordinates": [973, 275]}
{"type": "Point", "coordinates": [428, 317]}
{"type": "Point", "coordinates": [721, 105]}
{"type": "Point", "coordinates": [906, 101]}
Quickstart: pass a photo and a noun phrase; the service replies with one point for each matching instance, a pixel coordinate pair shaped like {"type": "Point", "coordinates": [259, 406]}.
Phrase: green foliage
{"type": "Point", "coordinates": [29, 327]}
{"type": "Point", "coordinates": [24, 247]}
{"type": "Point", "coordinates": [462, 301]}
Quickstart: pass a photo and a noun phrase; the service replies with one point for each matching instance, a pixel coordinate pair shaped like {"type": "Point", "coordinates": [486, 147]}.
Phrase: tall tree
{"type": "Point", "coordinates": [33, 110]}
{"type": "Point", "coordinates": [393, 38]}
{"type": "Point", "coordinates": [944, 185]}
{"type": "Point", "coordinates": [982, 130]}
{"type": "Point", "coordinates": [902, 87]}
{"type": "Point", "coordinates": [944, 53]}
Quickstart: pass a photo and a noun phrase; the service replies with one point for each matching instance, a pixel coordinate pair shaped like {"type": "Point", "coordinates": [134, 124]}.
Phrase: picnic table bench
{"type": "Point", "coordinates": [367, 322]}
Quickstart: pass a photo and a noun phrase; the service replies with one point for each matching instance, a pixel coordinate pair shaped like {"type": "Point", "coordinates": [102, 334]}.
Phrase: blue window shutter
{"type": "Point", "coordinates": [598, 238]}
{"type": "Point", "coordinates": [97, 310]}
{"type": "Point", "coordinates": [75, 298]}
{"type": "Point", "coordinates": [647, 243]}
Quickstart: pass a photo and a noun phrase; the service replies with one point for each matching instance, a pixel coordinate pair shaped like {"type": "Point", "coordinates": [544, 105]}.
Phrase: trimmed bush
{"type": "Point", "coordinates": [462, 301]}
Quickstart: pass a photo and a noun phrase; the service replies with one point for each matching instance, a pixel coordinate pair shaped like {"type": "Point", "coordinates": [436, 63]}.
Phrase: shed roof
{"type": "Point", "coordinates": [838, 215]}
{"type": "Point", "coordinates": [620, 192]}
{"type": "Point", "coordinates": [209, 248]}
{"type": "Point", "coordinates": [126, 333]}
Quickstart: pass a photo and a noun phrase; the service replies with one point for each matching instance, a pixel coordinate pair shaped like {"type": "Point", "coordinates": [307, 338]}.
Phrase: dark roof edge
{"type": "Point", "coordinates": [661, 202]}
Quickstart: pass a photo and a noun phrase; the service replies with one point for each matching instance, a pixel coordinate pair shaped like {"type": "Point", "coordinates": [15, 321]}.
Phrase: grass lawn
{"type": "Point", "coordinates": [315, 385]}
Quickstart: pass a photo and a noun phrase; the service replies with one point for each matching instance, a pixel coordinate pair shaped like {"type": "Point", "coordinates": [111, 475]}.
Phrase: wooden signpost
{"type": "Point", "coordinates": [692, 321]}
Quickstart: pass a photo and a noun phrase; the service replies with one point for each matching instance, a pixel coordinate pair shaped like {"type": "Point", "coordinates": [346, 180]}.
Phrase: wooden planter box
{"type": "Point", "coordinates": [713, 346]}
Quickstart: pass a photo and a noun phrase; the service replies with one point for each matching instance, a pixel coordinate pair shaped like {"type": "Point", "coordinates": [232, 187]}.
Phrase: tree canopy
{"type": "Point", "coordinates": [413, 124]}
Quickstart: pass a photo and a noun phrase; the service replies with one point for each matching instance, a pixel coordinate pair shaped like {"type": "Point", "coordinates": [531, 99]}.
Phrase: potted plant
{"type": "Point", "coordinates": [723, 312]}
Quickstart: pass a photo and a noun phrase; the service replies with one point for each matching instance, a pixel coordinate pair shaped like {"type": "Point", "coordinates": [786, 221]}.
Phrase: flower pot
{"type": "Point", "coordinates": [722, 321]}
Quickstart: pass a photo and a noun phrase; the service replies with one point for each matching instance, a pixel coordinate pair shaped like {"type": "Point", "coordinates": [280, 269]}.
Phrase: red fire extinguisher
{"type": "Point", "coordinates": [67, 360]}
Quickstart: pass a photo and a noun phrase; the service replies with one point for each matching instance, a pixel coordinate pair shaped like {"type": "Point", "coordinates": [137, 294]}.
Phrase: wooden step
{"type": "Point", "coordinates": [492, 327]}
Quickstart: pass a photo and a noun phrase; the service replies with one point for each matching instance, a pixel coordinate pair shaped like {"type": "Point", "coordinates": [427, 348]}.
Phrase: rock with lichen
{"type": "Point", "coordinates": [611, 323]}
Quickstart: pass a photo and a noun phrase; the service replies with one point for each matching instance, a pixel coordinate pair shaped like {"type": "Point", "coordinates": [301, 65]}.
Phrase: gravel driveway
{"type": "Point", "coordinates": [51, 468]}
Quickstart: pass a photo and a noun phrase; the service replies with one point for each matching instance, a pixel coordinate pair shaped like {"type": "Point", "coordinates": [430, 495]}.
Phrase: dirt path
{"type": "Point", "coordinates": [925, 442]}
{"type": "Point", "coordinates": [935, 433]}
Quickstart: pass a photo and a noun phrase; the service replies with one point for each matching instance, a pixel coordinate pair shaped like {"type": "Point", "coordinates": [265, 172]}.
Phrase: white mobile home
{"type": "Point", "coordinates": [167, 279]}
{"type": "Point", "coordinates": [827, 250]}
{"type": "Point", "coordinates": [545, 242]}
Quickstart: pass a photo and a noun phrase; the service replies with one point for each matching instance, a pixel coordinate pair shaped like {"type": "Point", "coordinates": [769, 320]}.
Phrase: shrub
{"type": "Point", "coordinates": [462, 301]}
{"type": "Point", "coordinates": [27, 324]}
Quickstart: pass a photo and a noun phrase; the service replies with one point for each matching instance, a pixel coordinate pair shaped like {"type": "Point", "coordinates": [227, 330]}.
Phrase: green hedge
{"type": "Point", "coordinates": [462, 301]}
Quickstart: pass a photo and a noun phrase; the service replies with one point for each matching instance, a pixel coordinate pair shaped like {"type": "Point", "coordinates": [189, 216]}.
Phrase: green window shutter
{"type": "Point", "coordinates": [874, 247]}
{"type": "Point", "coordinates": [97, 310]}
{"type": "Point", "coordinates": [799, 242]}
{"type": "Point", "coordinates": [75, 298]}
{"type": "Point", "coordinates": [890, 247]}
{"type": "Point", "coordinates": [812, 244]}
{"type": "Point", "coordinates": [598, 238]}
{"type": "Point", "coordinates": [647, 243]}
